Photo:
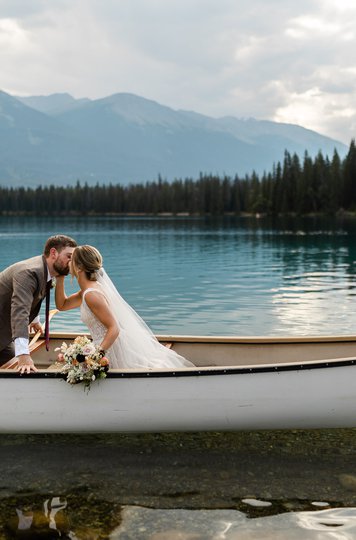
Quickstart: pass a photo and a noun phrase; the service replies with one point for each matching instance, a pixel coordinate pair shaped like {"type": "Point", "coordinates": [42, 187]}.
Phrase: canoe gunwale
{"type": "Point", "coordinates": [170, 338]}
{"type": "Point", "coordinates": [194, 372]}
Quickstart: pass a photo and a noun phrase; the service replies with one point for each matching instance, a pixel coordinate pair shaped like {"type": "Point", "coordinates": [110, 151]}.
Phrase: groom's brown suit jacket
{"type": "Point", "coordinates": [22, 289]}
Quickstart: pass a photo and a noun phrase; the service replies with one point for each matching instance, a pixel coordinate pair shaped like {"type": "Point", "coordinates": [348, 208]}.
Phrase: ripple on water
{"type": "Point", "coordinates": [56, 517]}
{"type": "Point", "coordinates": [147, 524]}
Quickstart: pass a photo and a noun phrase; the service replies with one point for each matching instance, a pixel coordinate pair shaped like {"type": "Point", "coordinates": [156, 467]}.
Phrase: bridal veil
{"type": "Point", "coordinates": [136, 347]}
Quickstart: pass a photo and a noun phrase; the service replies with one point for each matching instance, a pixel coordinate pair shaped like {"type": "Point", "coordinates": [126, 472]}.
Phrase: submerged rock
{"type": "Point", "coordinates": [348, 481]}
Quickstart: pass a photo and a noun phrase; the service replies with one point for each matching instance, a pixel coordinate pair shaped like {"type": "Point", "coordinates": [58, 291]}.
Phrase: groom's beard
{"type": "Point", "coordinates": [61, 269]}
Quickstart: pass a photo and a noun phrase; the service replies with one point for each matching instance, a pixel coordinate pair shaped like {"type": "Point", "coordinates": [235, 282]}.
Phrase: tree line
{"type": "Point", "coordinates": [310, 185]}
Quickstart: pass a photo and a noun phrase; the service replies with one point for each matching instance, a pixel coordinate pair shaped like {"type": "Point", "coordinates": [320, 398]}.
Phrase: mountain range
{"type": "Point", "coordinates": [125, 138]}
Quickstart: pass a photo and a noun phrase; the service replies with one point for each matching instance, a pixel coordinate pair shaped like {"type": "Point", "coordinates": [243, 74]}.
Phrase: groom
{"type": "Point", "coordinates": [22, 288]}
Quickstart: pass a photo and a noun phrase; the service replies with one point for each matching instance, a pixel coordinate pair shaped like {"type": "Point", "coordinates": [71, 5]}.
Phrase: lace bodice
{"type": "Point", "coordinates": [95, 327]}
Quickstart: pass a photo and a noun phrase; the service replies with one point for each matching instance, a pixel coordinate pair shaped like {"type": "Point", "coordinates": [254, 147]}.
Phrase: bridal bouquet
{"type": "Point", "coordinates": [82, 362]}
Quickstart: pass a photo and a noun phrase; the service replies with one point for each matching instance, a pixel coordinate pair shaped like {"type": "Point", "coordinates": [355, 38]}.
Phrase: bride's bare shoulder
{"type": "Point", "coordinates": [94, 296]}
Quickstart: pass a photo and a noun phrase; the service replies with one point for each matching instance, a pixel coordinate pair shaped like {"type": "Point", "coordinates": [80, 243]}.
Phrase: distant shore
{"type": "Point", "coordinates": [256, 215]}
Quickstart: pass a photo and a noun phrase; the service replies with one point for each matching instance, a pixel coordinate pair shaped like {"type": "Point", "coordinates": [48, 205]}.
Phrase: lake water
{"type": "Point", "coordinates": [225, 276]}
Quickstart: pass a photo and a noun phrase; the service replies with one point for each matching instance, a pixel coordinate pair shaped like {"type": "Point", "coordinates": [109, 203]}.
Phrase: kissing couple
{"type": "Point", "coordinates": [115, 327]}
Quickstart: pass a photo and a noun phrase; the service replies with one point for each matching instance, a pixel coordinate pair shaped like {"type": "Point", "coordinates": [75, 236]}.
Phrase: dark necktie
{"type": "Point", "coordinates": [48, 289]}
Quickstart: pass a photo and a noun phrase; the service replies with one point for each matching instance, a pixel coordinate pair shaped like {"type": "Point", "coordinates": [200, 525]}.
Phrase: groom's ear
{"type": "Point", "coordinates": [53, 253]}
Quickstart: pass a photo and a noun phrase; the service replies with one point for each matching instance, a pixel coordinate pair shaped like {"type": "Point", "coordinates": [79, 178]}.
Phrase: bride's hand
{"type": "Point", "coordinates": [64, 302]}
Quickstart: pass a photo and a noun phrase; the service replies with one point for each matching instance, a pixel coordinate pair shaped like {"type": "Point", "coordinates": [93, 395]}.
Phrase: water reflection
{"type": "Point", "coordinates": [147, 524]}
{"type": "Point", "coordinates": [33, 517]}
{"type": "Point", "coordinates": [56, 517]}
{"type": "Point", "coordinates": [49, 521]}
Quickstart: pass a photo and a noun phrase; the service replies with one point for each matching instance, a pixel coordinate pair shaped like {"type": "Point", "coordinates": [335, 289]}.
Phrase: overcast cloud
{"type": "Point", "coordinates": [270, 59]}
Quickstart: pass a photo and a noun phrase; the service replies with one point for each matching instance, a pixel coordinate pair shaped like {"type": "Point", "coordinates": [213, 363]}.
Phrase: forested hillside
{"type": "Point", "coordinates": [313, 185]}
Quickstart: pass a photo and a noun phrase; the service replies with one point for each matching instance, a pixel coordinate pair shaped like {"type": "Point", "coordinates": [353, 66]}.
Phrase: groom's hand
{"type": "Point", "coordinates": [35, 327]}
{"type": "Point", "coordinates": [25, 364]}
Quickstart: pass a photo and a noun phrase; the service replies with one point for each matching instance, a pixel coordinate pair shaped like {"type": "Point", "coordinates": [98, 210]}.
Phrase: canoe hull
{"type": "Point", "coordinates": [284, 397]}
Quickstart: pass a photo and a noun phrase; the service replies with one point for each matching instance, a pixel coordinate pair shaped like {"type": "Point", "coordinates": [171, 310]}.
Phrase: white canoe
{"type": "Point", "coordinates": [238, 384]}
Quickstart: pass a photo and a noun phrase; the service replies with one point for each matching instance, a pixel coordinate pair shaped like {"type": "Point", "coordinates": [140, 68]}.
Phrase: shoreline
{"type": "Point", "coordinates": [339, 214]}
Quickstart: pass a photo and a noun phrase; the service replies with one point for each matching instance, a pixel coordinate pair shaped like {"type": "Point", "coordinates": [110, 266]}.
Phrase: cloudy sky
{"type": "Point", "coordinates": [283, 60]}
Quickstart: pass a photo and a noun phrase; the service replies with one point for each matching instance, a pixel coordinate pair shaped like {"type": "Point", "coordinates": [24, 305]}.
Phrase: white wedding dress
{"type": "Point", "coordinates": [136, 346]}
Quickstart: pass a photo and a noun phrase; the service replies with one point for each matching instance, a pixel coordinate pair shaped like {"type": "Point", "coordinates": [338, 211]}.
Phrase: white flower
{"type": "Point", "coordinates": [88, 349]}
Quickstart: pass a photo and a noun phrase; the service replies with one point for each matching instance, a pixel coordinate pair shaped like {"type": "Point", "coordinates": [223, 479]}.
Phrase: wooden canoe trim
{"type": "Point", "coordinates": [10, 363]}
{"type": "Point", "coordinates": [34, 344]}
{"type": "Point", "coordinates": [34, 339]}
{"type": "Point", "coordinates": [39, 332]}
{"type": "Point", "coordinates": [234, 340]}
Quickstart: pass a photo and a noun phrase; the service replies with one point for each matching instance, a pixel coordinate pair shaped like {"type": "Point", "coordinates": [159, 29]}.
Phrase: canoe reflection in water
{"type": "Point", "coordinates": [71, 518]}
{"type": "Point", "coordinates": [48, 522]}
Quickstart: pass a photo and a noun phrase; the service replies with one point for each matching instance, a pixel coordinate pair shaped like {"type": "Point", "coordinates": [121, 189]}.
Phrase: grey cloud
{"type": "Point", "coordinates": [226, 57]}
{"type": "Point", "coordinates": [20, 8]}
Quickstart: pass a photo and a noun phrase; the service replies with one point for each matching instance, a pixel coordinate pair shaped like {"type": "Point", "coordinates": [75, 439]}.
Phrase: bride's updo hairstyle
{"type": "Point", "coordinates": [87, 259]}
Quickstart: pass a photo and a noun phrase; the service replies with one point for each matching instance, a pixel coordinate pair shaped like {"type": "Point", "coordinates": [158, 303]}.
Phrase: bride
{"type": "Point", "coordinates": [117, 330]}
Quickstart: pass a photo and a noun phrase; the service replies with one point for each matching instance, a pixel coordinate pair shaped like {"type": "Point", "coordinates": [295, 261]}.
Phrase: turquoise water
{"type": "Point", "coordinates": [195, 276]}
{"type": "Point", "coordinates": [224, 276]}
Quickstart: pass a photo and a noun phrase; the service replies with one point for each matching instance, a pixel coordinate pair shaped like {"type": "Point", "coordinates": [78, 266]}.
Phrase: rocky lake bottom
{"type": "Point", "coordinates": [180, 486]}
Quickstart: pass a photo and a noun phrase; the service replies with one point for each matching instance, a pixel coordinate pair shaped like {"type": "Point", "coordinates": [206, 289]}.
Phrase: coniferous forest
{"type": "Point", "coordinates": [311, 185]}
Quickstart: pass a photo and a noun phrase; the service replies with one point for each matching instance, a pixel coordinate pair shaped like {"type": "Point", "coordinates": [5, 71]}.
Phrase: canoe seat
{"type": "Point", "coordinates": [53, 367]}
{"type": "Point", "coordinates": [37, 345]}
{"type": "Point", "coordinates": [34, 344]}
{"type": "Point", "coordinates": [11, 364]}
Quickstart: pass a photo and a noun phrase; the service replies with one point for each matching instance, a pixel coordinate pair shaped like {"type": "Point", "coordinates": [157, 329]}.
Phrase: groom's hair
{"type": "Point", "coordinates": [59, 242]}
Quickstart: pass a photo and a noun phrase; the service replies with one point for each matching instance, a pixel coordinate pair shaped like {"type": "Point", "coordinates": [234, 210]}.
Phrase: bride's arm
{"type": "Point", "coordinates": [98, 305]}
{"type": "Point", "coordinates": [64, 302]}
